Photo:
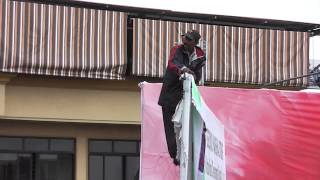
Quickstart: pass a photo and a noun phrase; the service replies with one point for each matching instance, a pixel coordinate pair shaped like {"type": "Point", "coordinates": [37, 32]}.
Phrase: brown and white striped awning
{"type": "Point", "coordinates": [234, 54]}
{"type": "Point", "coordinates": [61, 40]}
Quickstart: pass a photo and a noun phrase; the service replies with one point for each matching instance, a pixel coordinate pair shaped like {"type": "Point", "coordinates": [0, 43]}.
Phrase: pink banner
{"type": "Point", "coordinates": [269, 134]}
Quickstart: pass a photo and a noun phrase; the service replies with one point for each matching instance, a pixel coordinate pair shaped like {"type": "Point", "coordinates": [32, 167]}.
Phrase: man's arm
{"type": "Point", "coordinates": [196, 67]}
{"type": "Point", "coordinates": [175, 62]}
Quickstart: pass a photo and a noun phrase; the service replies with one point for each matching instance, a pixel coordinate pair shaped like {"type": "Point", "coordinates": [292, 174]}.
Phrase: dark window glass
{"type": "Point", "coordinates": [7, 143]}
{"type": "Point", "coordinates": [8, 166]}
{"type": "Point", "coordinates": [65, 145]}
{"type": "Point", "coordinates": [34, 144]}
{"type": "Point", "coordinates": [25, 166]}
{"type": "Point", "coordinates": [96, 168]}
{"type": "Point", "coordinates": [8, 157]}
{"type": "Point", "coordinates": [119, 160]}
{"type": "Point", "coordinates": [132, 167]}
{"type": "Point", "coordinates": [65, 167]}
{"type": "Point", "coordinates": [46, 167]}
{"type": "Point", "coordinates": [54, 167]}
{"type": "Point", "coordinates": [100, 146]}
{"type": "Point", "coordinates": [13, 165]}
{"type": "Point", "coordinates": [30, 164]}
{"type": "Point", "coordinates": [113, 168]}
{"type": "Point", "coordinates": [125, 146]}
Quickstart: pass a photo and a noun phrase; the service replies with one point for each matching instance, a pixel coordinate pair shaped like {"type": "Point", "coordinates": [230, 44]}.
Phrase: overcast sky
{"type": "Point", "coordinates": [289, 10]}
{"type": "Point", "coordinates": [292, 10]}
{"type": "Point", "coordinates": [314, 51]}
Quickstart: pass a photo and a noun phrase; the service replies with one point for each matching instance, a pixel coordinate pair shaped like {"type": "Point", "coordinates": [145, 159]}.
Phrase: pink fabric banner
{"type": "Point", "coordinates": [269, 134]}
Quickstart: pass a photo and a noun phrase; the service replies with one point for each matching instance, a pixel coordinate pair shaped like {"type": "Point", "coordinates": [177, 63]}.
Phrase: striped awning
{"type": "Point", "coordinates": [234, 54]}
{"type": "Point", "coordinates": [62, 40]}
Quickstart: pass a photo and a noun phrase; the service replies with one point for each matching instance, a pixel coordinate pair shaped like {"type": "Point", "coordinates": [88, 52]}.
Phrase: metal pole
{"type": "Point", "coordinates": [186, 146]}
{"type": "Point", "coordinates": [278, 82]}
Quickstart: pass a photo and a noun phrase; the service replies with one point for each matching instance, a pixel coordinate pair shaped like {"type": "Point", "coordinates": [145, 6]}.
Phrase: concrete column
{"type": "Point", "coordinates": [2, 99]}
{"type": "Point", "coordinates": [4, 79]}
{"type": "Point", "coordinates": [81, 158]}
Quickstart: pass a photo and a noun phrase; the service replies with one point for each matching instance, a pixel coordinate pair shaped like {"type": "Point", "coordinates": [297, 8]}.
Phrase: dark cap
{"type": "Point", "coordinates": [192, 35]}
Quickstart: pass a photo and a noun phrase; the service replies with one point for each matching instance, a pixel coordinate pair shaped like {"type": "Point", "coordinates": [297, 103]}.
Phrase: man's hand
{"type": "Point", "coordinates": [187, 70]}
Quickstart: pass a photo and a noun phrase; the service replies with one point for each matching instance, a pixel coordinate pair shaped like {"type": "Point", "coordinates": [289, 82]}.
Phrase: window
{"type": "Point", "coordinates": [36, 158]}
{"type": "Point", "coordinates": [111, 159]}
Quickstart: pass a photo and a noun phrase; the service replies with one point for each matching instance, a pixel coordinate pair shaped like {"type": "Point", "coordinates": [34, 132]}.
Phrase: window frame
{"type": "Point", "coordinates": [35, 154]}
{"type": "Point", "coordinates": [123, 155]}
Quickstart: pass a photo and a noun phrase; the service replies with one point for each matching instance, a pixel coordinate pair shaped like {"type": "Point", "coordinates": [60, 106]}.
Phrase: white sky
{"type": "Point", "coordinates": [290, 10]}
{"type": "Point", "coordinates": [314, 54]}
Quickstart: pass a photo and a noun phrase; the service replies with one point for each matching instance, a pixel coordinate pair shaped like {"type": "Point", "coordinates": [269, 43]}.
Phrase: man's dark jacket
{"type": "Point", "coordinates": [172, 88]}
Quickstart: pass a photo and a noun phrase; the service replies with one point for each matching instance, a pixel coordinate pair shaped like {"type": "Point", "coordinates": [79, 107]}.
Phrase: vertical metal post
{"type": "Point", "coordinates": [186, 143]}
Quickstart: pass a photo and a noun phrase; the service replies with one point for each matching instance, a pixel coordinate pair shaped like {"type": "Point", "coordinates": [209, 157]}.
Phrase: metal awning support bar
{"type": "Point", "coordinates": [278, 82]}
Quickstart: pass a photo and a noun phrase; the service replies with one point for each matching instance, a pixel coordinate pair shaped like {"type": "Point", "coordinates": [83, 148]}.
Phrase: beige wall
{"type": "Point", "coordinates": [81, 105]}
{"type": "Point", "coordinates": [71, 100]}
{"type": "Point", "coordinates": [62, 129]}
{"type": "Point", "coordinates": [81, 132]}
{"type": "Point", "coordinates": [2, 99]}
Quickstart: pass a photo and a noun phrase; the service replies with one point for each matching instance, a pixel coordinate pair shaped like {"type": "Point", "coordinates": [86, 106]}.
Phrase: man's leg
{"type": "Point", "coordinates": [167, 113]}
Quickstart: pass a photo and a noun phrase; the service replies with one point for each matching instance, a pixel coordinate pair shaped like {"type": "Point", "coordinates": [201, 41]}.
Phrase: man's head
{"type": "Point", "coordinates": [191, 39]}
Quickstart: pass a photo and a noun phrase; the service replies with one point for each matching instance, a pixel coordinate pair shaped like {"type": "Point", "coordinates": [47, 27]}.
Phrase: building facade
{"type": "Point", "coordinates": [58, 128]}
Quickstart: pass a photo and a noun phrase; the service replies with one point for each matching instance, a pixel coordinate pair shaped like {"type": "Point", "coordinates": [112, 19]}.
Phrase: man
{"type": "Point", "coordinates": [184, 58]}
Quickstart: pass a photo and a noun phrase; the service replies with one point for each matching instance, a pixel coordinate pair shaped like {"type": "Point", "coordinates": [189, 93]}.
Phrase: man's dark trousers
{"type": "Point", "coordinates": [167, 113]}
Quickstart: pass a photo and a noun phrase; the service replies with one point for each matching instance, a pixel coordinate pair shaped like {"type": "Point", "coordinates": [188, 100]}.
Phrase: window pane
{"type": "Point", "coordinates": [25, 166]}
{"type": "Point", "coordinates": [96, 168]}
{"type": "Point", "coordinates": [8, 157]}
{"type": "Point", "coordinates": [7, 143]}
{"type": "Point", "coordinates": [125, 146]}
{"type": "Point", "coordinates": [8, 166]}
{"type": "Point", "coordinates": [64, 145]}
{"type": "Point", "coordinates": [46, 167]}
{"type": "Point", "coordinates": [65, 167]}
{"type": "Point", "coordinates": [132, 167]}
{"type": "Point", "coordinates": [33, 144]}
{"type": "Point", "coordinates": [113, 168]}
{"type": "Point", "coordinates": [54, 167]}
{"type": "Point", "coordinates": [100, 146]}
